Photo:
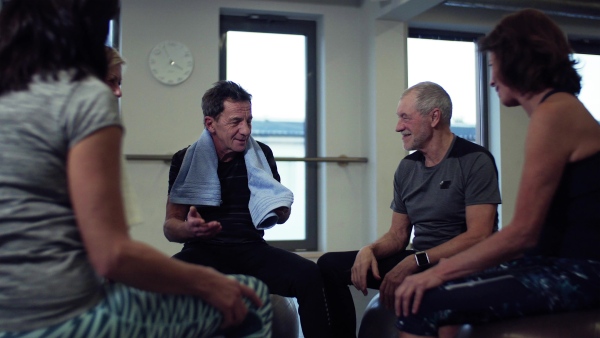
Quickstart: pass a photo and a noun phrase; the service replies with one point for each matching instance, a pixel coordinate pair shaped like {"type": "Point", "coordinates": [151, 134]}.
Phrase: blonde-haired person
{"type": "Point", "coordinates": [548, 254]}
{"type": "Point", "coordinates": [114, 77]}
{"type": "Point", "coordinates": [116, 65]}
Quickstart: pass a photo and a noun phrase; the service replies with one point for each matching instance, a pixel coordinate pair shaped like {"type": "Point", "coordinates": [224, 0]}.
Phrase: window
{"type": "Point", "coordinates": [587, 53]}
{"type": "Point", "coordinates": [588, 68]}
{"type": "Point", "coordinates": [274, 59]}
{"type": "Point", "coordinates": [452, 61]}
{"type": "Point", "coordinates": [114, 33]}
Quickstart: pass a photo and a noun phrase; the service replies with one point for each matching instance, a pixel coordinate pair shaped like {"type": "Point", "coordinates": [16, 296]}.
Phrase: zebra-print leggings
{"type": "Point", "coordinates": [127, 312]}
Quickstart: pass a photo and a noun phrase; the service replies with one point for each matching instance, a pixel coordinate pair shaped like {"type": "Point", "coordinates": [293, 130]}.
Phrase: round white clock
{"type": "Point", "coordinates": [171, 62]}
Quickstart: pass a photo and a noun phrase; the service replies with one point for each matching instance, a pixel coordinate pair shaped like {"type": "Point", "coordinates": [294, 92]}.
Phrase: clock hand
{"type": "Point", "coordinates": [171, 62]}
{"type": "Point", "coordinates": [168, 55]}
{"type": "Point", "coordinates": [176, 65]}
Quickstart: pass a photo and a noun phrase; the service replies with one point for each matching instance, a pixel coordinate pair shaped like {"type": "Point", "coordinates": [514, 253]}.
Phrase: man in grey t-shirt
{"type": "Point", "coordinates": [447, 191]}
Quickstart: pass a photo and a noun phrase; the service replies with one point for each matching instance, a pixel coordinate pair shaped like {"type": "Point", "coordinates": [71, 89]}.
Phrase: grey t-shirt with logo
{"type": "Point", "coordinates": [435, 198]}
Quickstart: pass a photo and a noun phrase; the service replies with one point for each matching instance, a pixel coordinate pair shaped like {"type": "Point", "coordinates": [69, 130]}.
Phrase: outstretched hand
{"type": "Point", "coordinates": [409, 294]}
{"type": "Point", "coordinates": [365, 260]}
{"type": "Point", "coordinates": [198, 227]}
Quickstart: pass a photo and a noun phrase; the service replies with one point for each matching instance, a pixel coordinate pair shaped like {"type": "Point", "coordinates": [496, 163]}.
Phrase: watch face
{"type": "Point", "coordinates": [171, 62]}
{"type": "Point", "coordinates": [422, 259]}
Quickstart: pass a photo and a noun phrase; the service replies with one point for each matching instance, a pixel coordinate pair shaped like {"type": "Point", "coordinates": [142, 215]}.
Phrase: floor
{"type": "Point", "coordinates": [360, 303]}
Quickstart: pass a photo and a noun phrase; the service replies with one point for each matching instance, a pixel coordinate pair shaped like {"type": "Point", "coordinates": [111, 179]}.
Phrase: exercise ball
{"type": "Point", "coordinates": [285, 317]}
{"type": "Point", "coordinates": [377, 321]}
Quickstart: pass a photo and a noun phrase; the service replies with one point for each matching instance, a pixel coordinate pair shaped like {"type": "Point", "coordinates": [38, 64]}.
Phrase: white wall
{"type": "Point", "coordinates": [361, 75]}
{"type": "Point", "coordinates": [162, 119]}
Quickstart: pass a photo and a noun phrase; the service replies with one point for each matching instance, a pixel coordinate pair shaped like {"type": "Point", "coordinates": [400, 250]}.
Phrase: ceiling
{"type": "Point", "coordinates": [584, 9]}
{"type": "Point", "coordinates": [588, 9]}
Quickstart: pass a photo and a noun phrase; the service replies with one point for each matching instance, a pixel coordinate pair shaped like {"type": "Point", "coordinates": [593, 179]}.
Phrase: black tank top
{"type": "Point", "coordinates": [553, 91]}
{"type": "Point", "coordinates": [572, 226]}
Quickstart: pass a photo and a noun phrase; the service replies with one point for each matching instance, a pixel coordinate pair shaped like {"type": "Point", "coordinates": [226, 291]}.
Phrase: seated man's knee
{"type": "Point", "coordinates": [308, 268]}
{"type": "Point", "coordinates": [333, 263]}
{"type": "Point", "coordinates": [305, 274]}
{"type": "Point", "coordinates": [325, 261]}
{"type": "Point", "coordinates": [329, 261]}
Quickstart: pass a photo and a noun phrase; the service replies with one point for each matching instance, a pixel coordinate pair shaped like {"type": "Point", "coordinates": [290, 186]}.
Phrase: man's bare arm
{"type": "Point", "coordinates": [480, 220]}
{"type": "Point", "coordinates": [184, 223]}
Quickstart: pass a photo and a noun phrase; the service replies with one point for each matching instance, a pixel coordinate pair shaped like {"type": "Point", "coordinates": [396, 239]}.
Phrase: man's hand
{"type": "Point", "coordinates": [283, 213]}
{"type": "Point", "coordinates": [365, 260]}
{"type": "Point", "coordinates": [394, 278]}
{"type": "Point", "coordinates": [198, 228]}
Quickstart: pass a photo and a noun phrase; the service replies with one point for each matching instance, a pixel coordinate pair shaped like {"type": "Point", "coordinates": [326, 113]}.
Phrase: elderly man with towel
{"type": "Point", "coordinates": [224, 191]}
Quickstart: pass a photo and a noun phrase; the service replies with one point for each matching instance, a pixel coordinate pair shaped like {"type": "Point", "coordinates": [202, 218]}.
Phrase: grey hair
{"type": "Point", "coordinates": [429, 96]}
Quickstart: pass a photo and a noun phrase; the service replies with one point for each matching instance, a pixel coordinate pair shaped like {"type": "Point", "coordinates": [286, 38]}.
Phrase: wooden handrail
{"type": "Point", "coordinates": [342, 160]}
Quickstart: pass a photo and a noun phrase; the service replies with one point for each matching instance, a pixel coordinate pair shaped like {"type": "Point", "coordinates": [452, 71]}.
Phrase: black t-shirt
{"type": "Point", "coordinates": [233, 213]}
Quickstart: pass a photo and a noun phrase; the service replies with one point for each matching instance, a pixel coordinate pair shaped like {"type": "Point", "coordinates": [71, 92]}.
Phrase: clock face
{"type": "Point", "coordinates": [171, 62]}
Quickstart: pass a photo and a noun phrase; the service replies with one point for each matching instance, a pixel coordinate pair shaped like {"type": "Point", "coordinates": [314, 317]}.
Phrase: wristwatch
{"type": "Point", "coordinates": [422, 259]}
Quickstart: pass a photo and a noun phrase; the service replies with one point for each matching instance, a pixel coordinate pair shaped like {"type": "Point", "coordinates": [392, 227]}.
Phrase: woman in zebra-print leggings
{"type": "Point", "coordinates": [68, 267]}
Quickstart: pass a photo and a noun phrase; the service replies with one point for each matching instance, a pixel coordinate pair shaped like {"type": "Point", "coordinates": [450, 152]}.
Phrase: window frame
{"type": "Point", "coordinates": [585, 46]}
{"type": "Point", "coordinates": [265, 23]}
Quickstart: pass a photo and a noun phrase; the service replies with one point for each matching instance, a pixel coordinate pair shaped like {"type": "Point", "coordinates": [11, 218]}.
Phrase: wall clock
{"type": "Point", "coordinates": [171, 62]}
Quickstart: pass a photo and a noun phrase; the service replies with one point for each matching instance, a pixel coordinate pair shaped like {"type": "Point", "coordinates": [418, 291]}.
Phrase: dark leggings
{"type": "Point", "coordinates": [336, 270]}
{"type": "Point", "coordinates": [285, 273]}
{"type": "Point", "coordinates": [527, 286]}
